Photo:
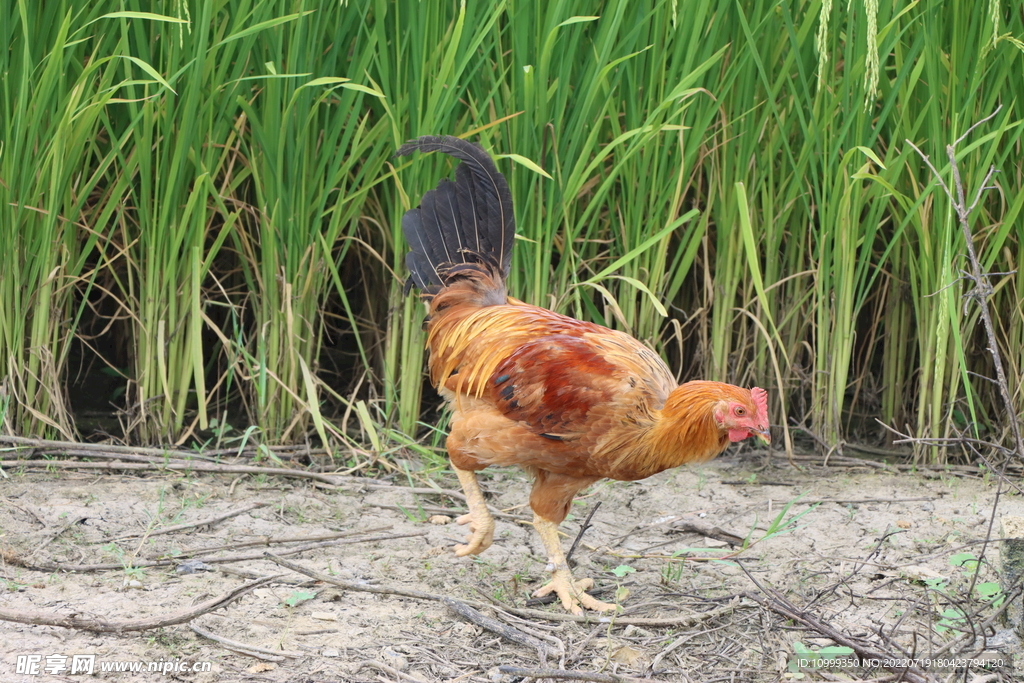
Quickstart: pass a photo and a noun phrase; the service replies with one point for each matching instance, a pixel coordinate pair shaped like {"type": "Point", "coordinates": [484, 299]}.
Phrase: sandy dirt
{"type": "Point", "coordinates": [861, 567]}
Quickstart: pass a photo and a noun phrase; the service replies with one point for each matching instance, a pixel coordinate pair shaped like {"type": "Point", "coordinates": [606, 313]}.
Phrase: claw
{"type": "Point", "coordinates": [481, 532]}
{"type": "Point", "coordinates": [572, 593]}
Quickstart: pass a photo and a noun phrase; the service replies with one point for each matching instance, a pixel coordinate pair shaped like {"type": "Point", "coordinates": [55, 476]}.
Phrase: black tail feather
{"type": "Point", "coordinates": [468, 221]}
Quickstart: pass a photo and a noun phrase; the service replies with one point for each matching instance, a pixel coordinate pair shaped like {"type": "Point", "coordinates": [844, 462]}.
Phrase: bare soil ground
{"type": "Point", "coordinates": [872, 560]}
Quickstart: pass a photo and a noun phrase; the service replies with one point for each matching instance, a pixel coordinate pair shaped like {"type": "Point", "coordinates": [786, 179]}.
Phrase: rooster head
{"type": "Point", "coordinates": [745, 415]}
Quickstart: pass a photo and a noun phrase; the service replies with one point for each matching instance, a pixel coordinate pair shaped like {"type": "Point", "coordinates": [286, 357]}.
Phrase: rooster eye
{"type": "Point", "coordinates": [740, 412]}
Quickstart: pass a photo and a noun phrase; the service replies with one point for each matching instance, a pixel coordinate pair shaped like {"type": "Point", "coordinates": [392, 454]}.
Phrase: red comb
{"type": "Point", "coordinates": [760, 398]}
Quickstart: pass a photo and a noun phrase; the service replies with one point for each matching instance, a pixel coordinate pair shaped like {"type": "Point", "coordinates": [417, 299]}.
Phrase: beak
{"type": "Point", "coordinates": [765, 435]}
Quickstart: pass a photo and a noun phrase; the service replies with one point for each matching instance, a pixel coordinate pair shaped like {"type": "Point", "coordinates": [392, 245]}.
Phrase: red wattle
{"type": "Point", "coordinates": [738, 434]}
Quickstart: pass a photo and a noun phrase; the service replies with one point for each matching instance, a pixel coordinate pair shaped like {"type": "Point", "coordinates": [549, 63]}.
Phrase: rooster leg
{"type": "Point", "coordinates": [481, 524]}
{"type": "Point", "coordinates": [570, 591]}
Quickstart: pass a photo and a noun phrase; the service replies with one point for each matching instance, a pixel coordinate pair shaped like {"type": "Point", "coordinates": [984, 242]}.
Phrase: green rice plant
{"type": "Point", "coordinates": [242, 133]}
{"type": "Point", "coordinates": [602, 224]}
{"type": "Point", "coordinates": [792, 259]}
{"type": "Point", "coordinates": [57, 195]}
{"type": "Point", "coordinates": [851, 241]}
{"type": "Point", "coordinates": [597, 239]}
{"type": "Point", "coordinates": [938, 49]}
{"type": "Point", "coordinates": [728, 182]}
{"type": "Point", "coordinates": [174, 229]}
{"type": "Point", "coordinates": [425, 74]}
{"type": "Point", "coordinates": [825, 264]}
{"type": "Point", "coordinates": [314, 151]}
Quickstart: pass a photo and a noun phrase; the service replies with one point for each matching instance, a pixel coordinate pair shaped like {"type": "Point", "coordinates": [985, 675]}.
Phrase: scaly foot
{"type": "Point", "coordinates": [481, 527]}
{"type": "Point", "coordinates": [481, 524]}
{"type": "Point", "coordinates": [571, 593]}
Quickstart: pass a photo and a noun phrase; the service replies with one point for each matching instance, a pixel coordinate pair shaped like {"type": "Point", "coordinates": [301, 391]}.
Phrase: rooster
{"type": "Point", "coordinates": [569, 401]}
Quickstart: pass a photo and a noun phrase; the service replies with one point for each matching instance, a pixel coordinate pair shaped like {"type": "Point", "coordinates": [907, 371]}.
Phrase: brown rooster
{"type": "Point", "coordinates": [571, 402]}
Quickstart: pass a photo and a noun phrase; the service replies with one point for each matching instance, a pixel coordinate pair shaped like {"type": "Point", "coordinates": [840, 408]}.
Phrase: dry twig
{"type": "Point", "coordinates": [98, 624]}
{"type": "Point", "coordinates": [386, 669]}
{"type": "Point", "coordinates": [110, 450]}
{"type": "Point", "coordinates": [707, 530]}
{"type": "Point", "coordinates": [679, 621]}
{"type": "Point", "coordinates": [861, 501]}
{"type": "Point", "coordinates": [239, 557]}
{"type": "Point", "coordinates": [245, 648]}
{"type": "Point", "coordinates": [181, 527]}
{"type": "Point", "coordinates": [172, 465]}
{"type": "Point", "coordinates": [562, 674]}
{"type": "Point", "coordinates": [277, 540]}
{"type": "Point", "coordinates": [583, 530]}
{"type": "Point", "coordinates": [510, 633]}
{"type": "Point", "coordinates": [778, 604]}
{"type": "Point", "coordinates": [435, 510]}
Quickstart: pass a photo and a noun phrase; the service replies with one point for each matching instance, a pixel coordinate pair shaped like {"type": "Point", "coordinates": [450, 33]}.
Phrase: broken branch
{"type": "Point", "coordinates": [97, 624]}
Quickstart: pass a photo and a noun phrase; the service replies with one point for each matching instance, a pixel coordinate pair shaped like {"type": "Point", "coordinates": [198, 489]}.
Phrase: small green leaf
{"type": "Point", "coordinates": [622, 570]}
{"type": "Point", "coordinates": [988, 590]}
{"type": "Point", "coordinates": [528, 163]}
{"type": "Point", "coordinates": [952, 614]}
{"type": "Point", "coordinates": [577, 20]}
{"type": "Point", "coordinates": [149, 70]}
{"type": "Point", "coordinates": [870, 154]}
{"type": "Point", "coordinates": [139, 15]}
{"type": "Point", "coordinates": [364, 88]}
{"type": "Point", "coordinates": [299, 596]}
{"type": "Point", "coordinates": [327, 80]}
{"type": "Point", "coordinates": [964, 560]}
{"type": "Point", "coordinates": [263, 25]}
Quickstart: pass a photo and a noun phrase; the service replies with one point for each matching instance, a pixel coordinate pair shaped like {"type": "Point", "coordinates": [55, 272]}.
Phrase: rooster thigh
{"type": "Point", "coordinates": [552, 493]}
{"type": "Point", "coordinates": [481, 436]}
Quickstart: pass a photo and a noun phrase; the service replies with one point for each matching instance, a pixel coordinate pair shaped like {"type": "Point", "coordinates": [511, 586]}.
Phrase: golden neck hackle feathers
{"type": "Point", "coordinates": [485, 335]}
{"type": "Point", "coordinates": [683, 431]}
{"type": "Point", "coordinates": [468, 342]}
